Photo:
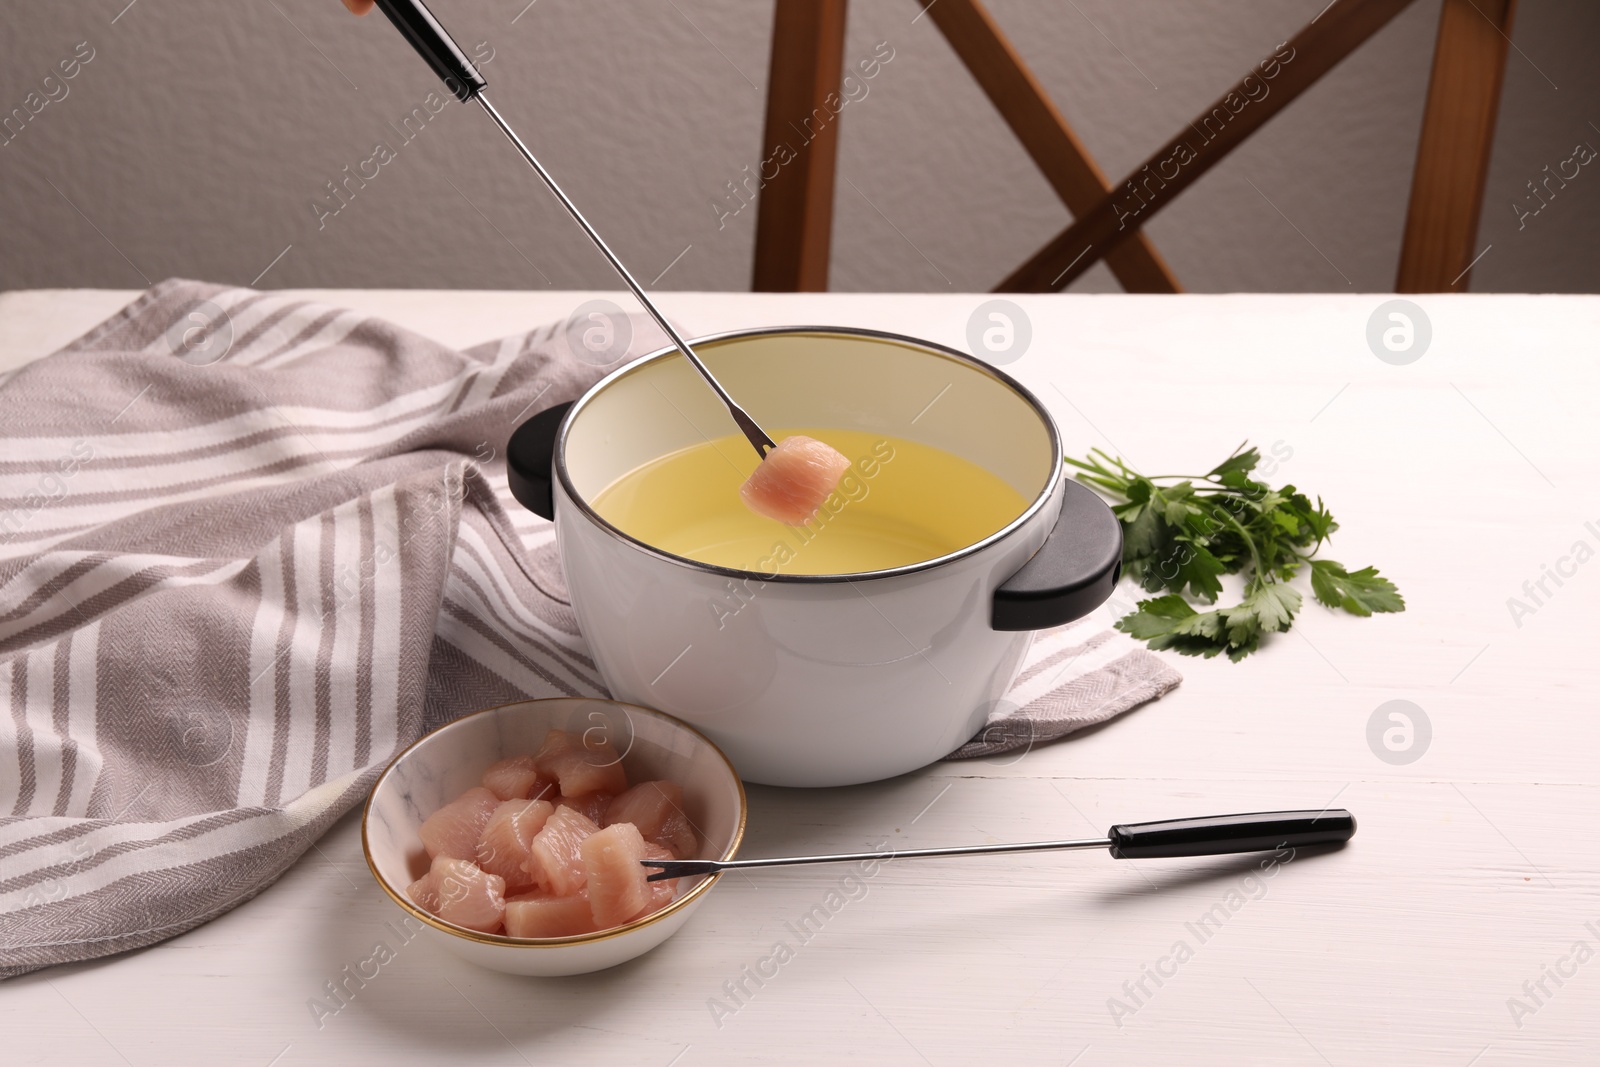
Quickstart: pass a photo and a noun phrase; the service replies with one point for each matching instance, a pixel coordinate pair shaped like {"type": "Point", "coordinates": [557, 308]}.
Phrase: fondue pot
{"type": "Point", "coordinates": [818, 679]}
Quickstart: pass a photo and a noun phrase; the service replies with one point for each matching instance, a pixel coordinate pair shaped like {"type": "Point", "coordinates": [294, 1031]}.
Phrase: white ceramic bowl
{"type": "Point", "coordinates": [445, 763]}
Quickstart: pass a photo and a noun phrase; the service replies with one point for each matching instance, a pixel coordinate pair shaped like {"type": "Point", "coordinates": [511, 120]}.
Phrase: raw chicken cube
{"type": "Point", "coordinates": [555, 862]}
{"type": "Point", "coordinates": [540, 915]}
{"type": "Point", "coordinates": [593, 806]}
{"type": "Point", "coordinates": [454, 829]}
{"type": "Point", "coordinates": [517, 779]}
{"type": "Point", "coordinates": [423, 894]}
{"type": "Point", "coordinates": [501, 859]}
{"type": "Point", "coordinates": [617, 887]}
{"type": "Point", "coordinates": [656, 808]}
{"type": "Point", "coordinates": [582, 763]}
{"type": "Point", "coordinates": [794, 479]}
{"type": "Point", "coordinates": [468, 896]}
{"type": "Point", "coordinates": [503, 848]}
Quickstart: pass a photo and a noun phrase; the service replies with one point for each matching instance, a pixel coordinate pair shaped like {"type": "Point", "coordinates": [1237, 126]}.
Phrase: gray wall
{"type": "Point", "coordinates": [199, 135]}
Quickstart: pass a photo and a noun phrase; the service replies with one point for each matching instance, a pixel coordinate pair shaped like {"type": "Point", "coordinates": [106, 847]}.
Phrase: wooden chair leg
{"type": "Point", "coordinates": [1294, 68]}
{"type": "Point", "coordinates": [794, 215]}
{"type": "Point", "coordinates": [1043, 132]}
{"type": "Point", "coordinates": [1469, 65]}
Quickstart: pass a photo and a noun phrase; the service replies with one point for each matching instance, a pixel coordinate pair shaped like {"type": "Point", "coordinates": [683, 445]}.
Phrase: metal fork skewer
{"type": "Point", "coordinates": [747, 425]}
{"type": "Point", "coordinates": [681, 868]}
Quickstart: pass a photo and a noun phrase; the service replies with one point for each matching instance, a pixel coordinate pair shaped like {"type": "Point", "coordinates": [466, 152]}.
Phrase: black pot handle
{"type": "Point", "coordinates": [1072, 573]}
{"type": "Point", "coordinates": [530, 455]}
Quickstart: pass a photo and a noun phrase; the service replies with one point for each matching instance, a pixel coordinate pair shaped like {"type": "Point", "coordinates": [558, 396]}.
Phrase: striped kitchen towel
{"type": "Point", "coordinates": [250, 548]}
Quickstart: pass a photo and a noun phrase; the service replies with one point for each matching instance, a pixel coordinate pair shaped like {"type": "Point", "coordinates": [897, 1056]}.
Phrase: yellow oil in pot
{"type": "Point", "coordinates": [900, 502]}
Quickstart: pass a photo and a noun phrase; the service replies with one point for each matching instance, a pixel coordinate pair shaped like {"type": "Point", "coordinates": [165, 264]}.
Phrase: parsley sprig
{"type": "Point", "coordinates": [1181, 534]}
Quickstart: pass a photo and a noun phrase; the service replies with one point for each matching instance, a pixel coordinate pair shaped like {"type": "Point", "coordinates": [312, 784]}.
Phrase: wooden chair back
{"type": "Point", "coordinates": [795, 210]}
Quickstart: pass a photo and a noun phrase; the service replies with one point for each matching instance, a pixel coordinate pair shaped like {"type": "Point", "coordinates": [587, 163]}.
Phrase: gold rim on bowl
{"type": "Point", "coordinates": [575, 939]}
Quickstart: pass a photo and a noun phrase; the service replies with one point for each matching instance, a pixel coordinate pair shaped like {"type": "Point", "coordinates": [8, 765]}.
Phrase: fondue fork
{"type": "Point", "coordinates": [418, 25]}
{"type": "Point", "coordinates": [1216, 835]}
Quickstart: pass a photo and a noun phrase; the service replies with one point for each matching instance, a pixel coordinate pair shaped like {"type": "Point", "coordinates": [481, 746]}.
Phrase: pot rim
{"type": "Point", "coordinates": [930, 347]}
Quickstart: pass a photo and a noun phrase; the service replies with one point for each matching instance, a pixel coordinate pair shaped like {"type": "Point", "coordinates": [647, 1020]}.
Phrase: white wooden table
{"type": "Point", "coordinates": [1460, 475]}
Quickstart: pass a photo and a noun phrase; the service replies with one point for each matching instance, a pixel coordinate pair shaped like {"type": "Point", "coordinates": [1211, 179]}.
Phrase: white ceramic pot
{"type": "Point", "coordinates": [818, 680]}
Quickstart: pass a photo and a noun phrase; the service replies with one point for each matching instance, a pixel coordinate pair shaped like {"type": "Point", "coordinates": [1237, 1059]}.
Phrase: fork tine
{"type": "Point", "coordinates": [678, 868]}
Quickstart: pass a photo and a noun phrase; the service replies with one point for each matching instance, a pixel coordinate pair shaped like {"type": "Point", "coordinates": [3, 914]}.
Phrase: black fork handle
{"type": "Point", "coordinates": [417, 24]}
{"type": "Point", "coordinates": [1216, 835]}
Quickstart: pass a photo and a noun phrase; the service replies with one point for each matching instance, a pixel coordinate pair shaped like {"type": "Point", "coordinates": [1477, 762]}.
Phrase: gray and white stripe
{"type": "Point", "coordinates": [263, 580]}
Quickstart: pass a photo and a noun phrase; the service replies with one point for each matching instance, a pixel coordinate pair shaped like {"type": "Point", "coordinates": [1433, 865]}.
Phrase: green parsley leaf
{"type": "Point", "coordinates": [1360, 593]}
{"type": "Point", "coordinates": [1169, 622]}
{"type": "Point", "coordinates": [1243, 461]}
{"type": "Point", "coordinates": [1271, 604]}
{"type": "Point", "coordinates": [1182, 534]}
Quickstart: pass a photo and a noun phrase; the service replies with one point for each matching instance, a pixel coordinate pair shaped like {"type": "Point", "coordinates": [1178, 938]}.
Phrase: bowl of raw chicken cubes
{"type": "Point", "coordinates": [519, 837]}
